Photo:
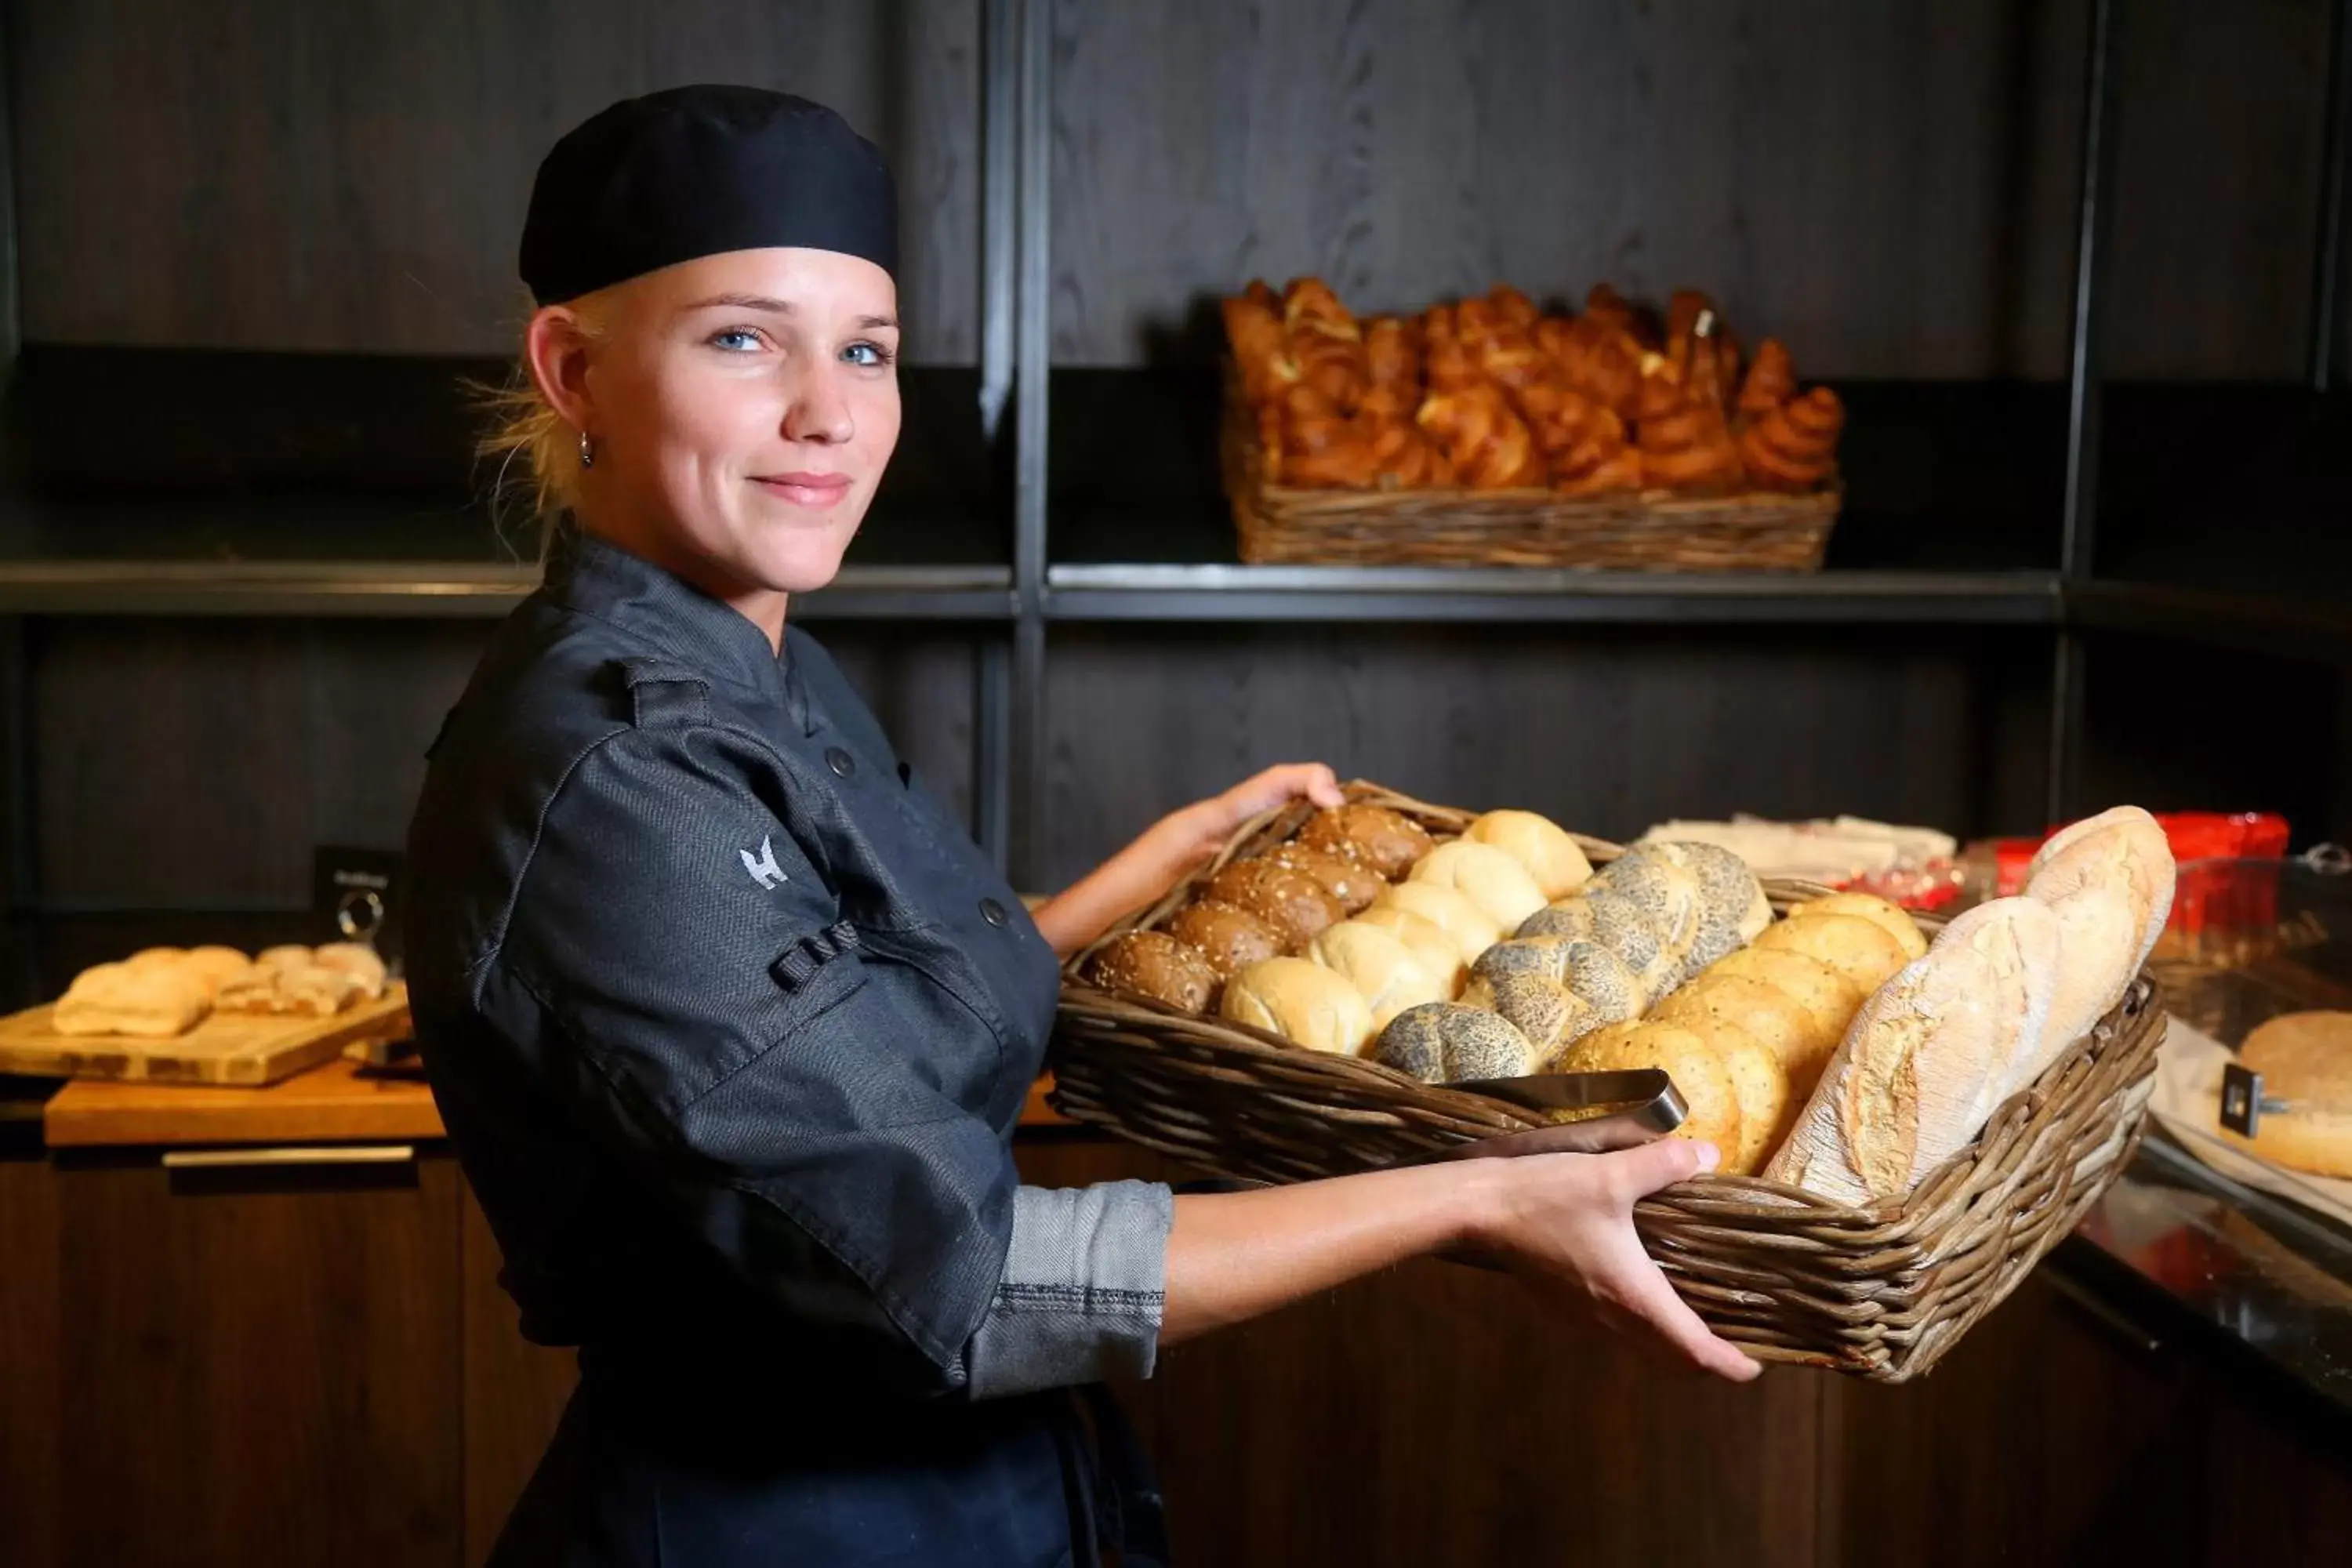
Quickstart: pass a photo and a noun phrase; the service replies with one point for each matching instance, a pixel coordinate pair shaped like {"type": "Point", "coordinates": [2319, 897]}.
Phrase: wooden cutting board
{"type": "Point", "coordinates": [226, 1048]}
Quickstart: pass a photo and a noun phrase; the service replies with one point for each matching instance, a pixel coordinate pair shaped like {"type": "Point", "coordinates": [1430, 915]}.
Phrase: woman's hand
{"type": "Point", "coordinates": [1172, 849]}
{"type": "Point", "coordinates": [1564, 1224]}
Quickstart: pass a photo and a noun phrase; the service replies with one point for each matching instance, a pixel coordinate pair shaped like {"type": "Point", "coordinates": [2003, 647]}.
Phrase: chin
{"type": "Point", "coordinates": [800, 567]}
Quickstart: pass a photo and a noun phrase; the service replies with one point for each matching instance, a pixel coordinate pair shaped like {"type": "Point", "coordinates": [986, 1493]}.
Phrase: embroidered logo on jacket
{"type": "Point", "coordinates": [765, 870]}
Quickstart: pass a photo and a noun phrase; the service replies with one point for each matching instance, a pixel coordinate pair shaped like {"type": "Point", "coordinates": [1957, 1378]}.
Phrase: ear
{"type": "Point", "coordinates": [555, 346]}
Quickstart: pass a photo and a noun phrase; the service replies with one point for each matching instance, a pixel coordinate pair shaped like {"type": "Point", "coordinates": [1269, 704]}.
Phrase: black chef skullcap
{"type": "Point", "coordinates": [695, 171]}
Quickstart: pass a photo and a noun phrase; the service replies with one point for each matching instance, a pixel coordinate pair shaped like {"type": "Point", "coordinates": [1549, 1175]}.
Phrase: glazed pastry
{"type": "Point", "coordinates": [1488, 445]}
{"type": "Point", "coordinates": [1794, 446]}
{"type": "Point", "coordinates": [1771, 380]}
{"type": "Point", "coordinates": [1260, 349]}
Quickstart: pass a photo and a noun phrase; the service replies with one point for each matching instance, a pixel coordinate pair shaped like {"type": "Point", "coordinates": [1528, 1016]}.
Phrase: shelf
{"type": "Point", "coordinates": [345, 485]}
{"type": "Point", "coordinates": [1223, 593]}
{"type": "Point", "coordinates": [2273, 624]}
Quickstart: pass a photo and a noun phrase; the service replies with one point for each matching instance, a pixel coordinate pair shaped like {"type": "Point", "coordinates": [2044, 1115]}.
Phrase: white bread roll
{"type": "Point", "coordinates": [1489, 878]}
{"type": "Point", "coordinates": [1469, 928]}
{"type": "Point", "coordinates": [1890, 917]}
{"type": "Point", "coordinates": [1438, 954]}
{"type": "Point", "coordinates": [2124, 837]}
{"type": "Point", "coordinates": [1377, 963]}
{"type": "Point", "coordinates": [154, 1000]}
{"type": "Point", "coordinates": [357, 960]}
{"type": "Point", "coordinates": [1303, 1002]}
{"type": "Point", "coordinates": [1539, 844]}
{"type": "Point", "coordinates": [1861, 951]}
{"type": "Point", "coordinates": [1926, 1058]}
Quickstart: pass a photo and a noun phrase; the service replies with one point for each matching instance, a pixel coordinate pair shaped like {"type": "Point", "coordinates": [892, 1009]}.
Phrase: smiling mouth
{"type": "Point", "coordinates": [804, 489]}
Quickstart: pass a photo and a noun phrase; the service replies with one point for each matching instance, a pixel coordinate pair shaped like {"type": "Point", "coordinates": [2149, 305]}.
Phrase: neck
{"type": "Point", "coordinates": [763, 607]}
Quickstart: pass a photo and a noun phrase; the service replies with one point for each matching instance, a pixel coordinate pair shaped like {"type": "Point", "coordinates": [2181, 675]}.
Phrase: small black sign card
{"type": "Point", "coordinates": [355, 897]}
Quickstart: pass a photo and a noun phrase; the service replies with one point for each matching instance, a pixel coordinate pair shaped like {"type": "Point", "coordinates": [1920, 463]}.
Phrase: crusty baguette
{"type": "Point", "coordinates": [2109, 881]}
{"type": "Point", "coordinates": [1926, 1058]}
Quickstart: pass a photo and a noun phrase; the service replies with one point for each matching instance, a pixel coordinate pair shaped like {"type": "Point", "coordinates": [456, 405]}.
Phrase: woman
{"type": "Point", "coordinates": [731, 1023]}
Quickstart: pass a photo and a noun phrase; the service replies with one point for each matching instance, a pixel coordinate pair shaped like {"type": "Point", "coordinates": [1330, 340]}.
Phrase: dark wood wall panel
{"type": "Point", "coordinates": [1607, 730]}
{"type": "Point", "coordinates": [195, 762]}
{"type": "Point", "coordinates": [32, 1392]}
{"type": "Point", "coordinates": [278, 173]}
{"type": "Point", "coordinates": [1889, 186]}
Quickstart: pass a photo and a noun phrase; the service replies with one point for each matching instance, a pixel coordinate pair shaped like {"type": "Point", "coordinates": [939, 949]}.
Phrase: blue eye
{"type": "Point", "coordinates": [869, 355]}
{"type": "Point", "coordinates": [735, 339]}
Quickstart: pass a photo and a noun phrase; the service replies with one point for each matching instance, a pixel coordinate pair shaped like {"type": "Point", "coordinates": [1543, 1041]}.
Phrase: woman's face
{"type": "Point", "coordinates": [743, 408]}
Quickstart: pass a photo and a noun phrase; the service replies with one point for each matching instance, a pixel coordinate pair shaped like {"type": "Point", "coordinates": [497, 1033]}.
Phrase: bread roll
{"type": "Point", "coordinates": [313, 990]}
{"type": "Point", "coordinates": [2098, 937]}
{"type": "Point", "coordinates": [1764, 1012]}
{"type": "Point", "coordinates": [1758, 1082]}
{"type": "Point", "coordinates": [1612, 920]}
{"type": "Point", "coordinates": [1667, 895]}
{"type": "Point", "coordinates": [1434, 951]}
{"type": "Point", "coordinates": [1443, 1042]}
{"type": "Point", "coordinates": [1493, 881]}
{"type": "Point", "coordinates": [1292, 902]}
{"type": "Point", "coordinates": [357, 960]}
{"type": "Point", "coordinates": [1698, 1073]}
{"type": "Point", "coordinates": [1384, 842]}
{"type": "Point", "coordinates": [1588, 970]}
{"type": "Point", "coordinates": [1551, 1016]}
{"type": "Point", "coordinates": [1228, 936]}
{"type": "Point", "coordinates": [158, 957]}
{"type": "Point", "coordinates": [215, 967]}
{"type": "Point", "coordinates": [2124, 837]}
{"type": "Point", "coordinates": [2305, 1059]}
{"type": "Point", "coordinates": [1732, 911]}
{"type": "Point", "coordinates": [1155, 965]}
{"type": "Point", "coordinates": [154, 1000]}
{"type": "Point", "coordinates": [1303, 1002]}
{"type": "Point", "coordinates": [1827, 996]}
{"type": "Point", "coordinates": [1539, 844]}
{"type": "Point", "coordinates": [1350, 881]}
{"type": "Point", "coordinates": [1377, 963]}
{"type": "Point", "coordinates": [280, 957]}
{"type": "Point", "coordinates": [1858, 949]}
{"type": "Point", "coordinates": [1892, 917]}
{"type": "Point", "coordinates": [1926, 1058]}
{"type": "Point", "coordinates": [1470, 928]}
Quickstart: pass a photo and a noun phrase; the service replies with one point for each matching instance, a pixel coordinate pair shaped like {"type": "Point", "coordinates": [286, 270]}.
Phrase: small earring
{"type": "Point", "coordinates": [587, 451]}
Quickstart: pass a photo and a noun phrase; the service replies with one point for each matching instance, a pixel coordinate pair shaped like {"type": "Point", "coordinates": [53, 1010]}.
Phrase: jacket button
{"type": "Point", "coordinates": [992, 912]}
{"type": "Point", "coordinates": [840, 761]}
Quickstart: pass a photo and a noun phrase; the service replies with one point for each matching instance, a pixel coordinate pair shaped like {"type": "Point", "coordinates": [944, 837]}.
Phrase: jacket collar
{"type": "Point", "coordinates": [595, 577]}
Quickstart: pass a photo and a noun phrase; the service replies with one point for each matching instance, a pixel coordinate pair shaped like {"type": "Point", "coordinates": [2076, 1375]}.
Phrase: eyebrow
{"type": "Point", "coordinates": [775, 307]}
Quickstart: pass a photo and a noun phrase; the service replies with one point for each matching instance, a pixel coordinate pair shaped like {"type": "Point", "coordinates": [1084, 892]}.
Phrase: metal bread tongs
{"type": "Point", "coordinates": [1597, 1113]}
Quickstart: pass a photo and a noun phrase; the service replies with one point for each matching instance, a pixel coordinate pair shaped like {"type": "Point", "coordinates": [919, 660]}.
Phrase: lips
{"type": "Point", "coordinates": [804, 489]}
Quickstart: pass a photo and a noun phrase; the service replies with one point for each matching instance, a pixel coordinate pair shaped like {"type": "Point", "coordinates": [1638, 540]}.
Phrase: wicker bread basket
{"type": "Point", "coordinates": [1650, 530]}
{"type": "Point", "coordinates": [1881, 1293]}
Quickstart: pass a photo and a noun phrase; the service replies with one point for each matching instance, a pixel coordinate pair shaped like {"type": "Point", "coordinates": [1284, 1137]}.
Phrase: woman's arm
{"type": "Point", "coordinates": [1563, 1223]}
{"type": "Point", "coordinates": [1172, 849]}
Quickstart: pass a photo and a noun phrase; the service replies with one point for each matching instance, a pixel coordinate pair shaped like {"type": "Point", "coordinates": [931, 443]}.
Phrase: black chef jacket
{"type": "Point", "coordinates": [731, 1026]}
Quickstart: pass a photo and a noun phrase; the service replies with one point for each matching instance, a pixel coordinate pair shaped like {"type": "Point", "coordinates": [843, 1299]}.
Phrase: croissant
{"type": "Point", "coordinates": [1560, 415]}
{"type": "Point", "coordinates": [1254, 332]}
{"type": "Point", "coordinates": [1403, 458]}
{"type": "Point", "coordinates": [1349, 466]}
{"type": "Point", "coordinates": [1599, 464]}
{"type": "Point", "coordinates": [1771, 379]}
{"type": "Point", "coordinates": [1454, 365]}
{"type": "Point", "coordinates": [1702, 349]}
{"type": "Point", "coordinates": [1390, 354]}
{"type": "Point", "coordinates": [1794, 446]}
{"type": "Point", "coordinates": [1308, 305]}
{"type": "Point", "coordinates": [1489, 446]}
{"type": "Point", "coordinates": [1514, 359]}
{"type": "Point", "coordinates": [1513, 309]}
{"type": "Point", "coordinates": [1605, 307]}
{"type": "Point", "coordinates": [1599, 356]}
{"type": "Point", "coordinates": [1334, 366]}
{"type": "Point", "coordinates": [1689, 447]}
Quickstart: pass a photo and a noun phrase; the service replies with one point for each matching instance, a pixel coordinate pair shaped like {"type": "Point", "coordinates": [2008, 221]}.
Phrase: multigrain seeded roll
{"type": "Point", "coordinates": [1155, 965]}
{"type": "Point", "coordinates": [1228, 936]}
{"type": "Point", "coordinates": [1385, 842]}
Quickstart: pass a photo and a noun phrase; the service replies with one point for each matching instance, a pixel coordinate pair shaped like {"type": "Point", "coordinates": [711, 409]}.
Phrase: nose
{"type": "Point", "coordinates": [819, 413]}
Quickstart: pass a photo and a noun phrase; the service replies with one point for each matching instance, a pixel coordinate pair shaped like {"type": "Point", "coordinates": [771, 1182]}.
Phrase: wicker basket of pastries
{"type": "Point", "coordinates": [1487, 433]}
{"type": "Point", "coordinates": [1910, 1112]}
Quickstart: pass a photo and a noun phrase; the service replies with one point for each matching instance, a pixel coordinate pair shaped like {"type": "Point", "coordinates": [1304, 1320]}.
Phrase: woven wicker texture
{"type": "Point", "coordinates": [1654, 531]}
{"type": "Point", "coordinates": [1881, 1293]}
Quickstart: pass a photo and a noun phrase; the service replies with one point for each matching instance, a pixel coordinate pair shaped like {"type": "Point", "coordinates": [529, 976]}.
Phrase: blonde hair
{"type": "Point", "coordinates": [524, 432]}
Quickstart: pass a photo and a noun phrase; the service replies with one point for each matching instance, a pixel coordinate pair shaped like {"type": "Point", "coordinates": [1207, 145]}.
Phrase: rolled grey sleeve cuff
{"type": "Point", "coordinates": [1084, 1280]}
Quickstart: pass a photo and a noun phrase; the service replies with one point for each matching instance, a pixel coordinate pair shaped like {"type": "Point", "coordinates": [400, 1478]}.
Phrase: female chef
{"type": "Point", "coordinates": [731, 1023]}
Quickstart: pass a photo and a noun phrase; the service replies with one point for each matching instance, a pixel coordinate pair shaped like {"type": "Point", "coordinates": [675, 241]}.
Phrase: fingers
{"type": "Point", "coordinates": [1637, 1172]}
{"type": "Point", "coordinates": [1641, 1289]}
{"type": "Point", "coordinates": [1279, 785]}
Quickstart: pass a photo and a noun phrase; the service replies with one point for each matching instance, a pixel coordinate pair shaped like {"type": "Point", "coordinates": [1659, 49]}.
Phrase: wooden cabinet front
{"type": "Point", "coordinates": [260, 1363]}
